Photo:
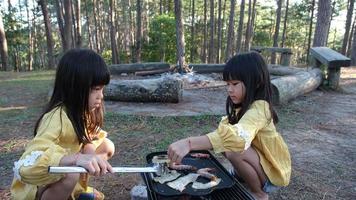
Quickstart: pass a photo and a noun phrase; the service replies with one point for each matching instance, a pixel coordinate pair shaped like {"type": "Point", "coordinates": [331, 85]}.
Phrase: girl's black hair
{"type": "Point", "coordinates": [251, 69]}
{"type": "Point", "coordinates": [78, 71]}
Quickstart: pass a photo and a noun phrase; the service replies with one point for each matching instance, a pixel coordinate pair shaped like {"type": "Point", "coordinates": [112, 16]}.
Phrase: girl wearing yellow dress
{"type": "Point", "coordinates": [247, 136]}
{"type": "Point", "coordinates": [68, 133]}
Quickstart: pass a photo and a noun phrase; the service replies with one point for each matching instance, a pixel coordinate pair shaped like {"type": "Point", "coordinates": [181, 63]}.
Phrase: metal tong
{"type": "Point", "coordinates": [158, 168]}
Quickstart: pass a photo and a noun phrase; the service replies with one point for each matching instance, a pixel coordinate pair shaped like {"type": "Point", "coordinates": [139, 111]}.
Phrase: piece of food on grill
{"type": "Point", "coordinates": [160, 159]}
{"type": "Point", "coordinates": [166, 177]}
{"type": "Point", "coordinates": [182, 167]}
{"type": "Point", "coordinates": [205, 172]}
{"type": "Point", "coordinates": [183, 181]}
{"type": "Point", "coordinates": [200, 155]}
{"type": "Point", "coordinates": [210, 184]}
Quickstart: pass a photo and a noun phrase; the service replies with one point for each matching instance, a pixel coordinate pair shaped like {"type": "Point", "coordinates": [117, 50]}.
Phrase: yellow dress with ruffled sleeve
{"type": "Point", "coordinates": [55, 138]}
{"type": "Point", "coordinates": [254, 129]}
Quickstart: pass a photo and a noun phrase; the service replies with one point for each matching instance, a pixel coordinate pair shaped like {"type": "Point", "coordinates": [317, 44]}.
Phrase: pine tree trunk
{"type": "Point", "coordinates": [310, 27]}
{"type": "Point", "coordinates": [138, 31]}
{"type": "Point", "coordinates": [218, 53]}
{"type": "Point", "coordinates": [68, 25]}
{"type": "Point", "coordinates": [96, 27]}
{"type": "Point", "coordinates": [349, 45]}
{"type": "Point", "coordinates": [205, 40]}
{"type": "Point", "coordinates": [230, 32]}
{"type": "Point", "coordinates": [3, 46]}
{"type": "Point", "coordinates": [30, 39]}
{"type": "Point", "coordinates": [241, 27]}
{"type": "Point", "coordinates": [322, 24]}
{"type": "Point", "coordinates": [60, 21]}
{"type": "Point", "coordinates": [46, 18]}
{"type": "Point", "coordinates": [114, 56]}
{"type": "Point", "coordinates": [276, 31]}
{"type": "Point", "coordinates": [347, 26]}
{"type": "Point", "coordinates": [285, 24]}
{"type": "Point", "coordinates": [79, 25]}
{"type": "Point", "coordinates": [180, 36]}
{"type": "Point", "coordinates": [90, 39]}
{"type": "Point", "coordinates": [247, 37]}
{"type": "Point", "coordinates": [211, 42]}
{"type": "Point", "coordinates": [353, 51]}
{"type": "Point", "coordinates": [192, 32]}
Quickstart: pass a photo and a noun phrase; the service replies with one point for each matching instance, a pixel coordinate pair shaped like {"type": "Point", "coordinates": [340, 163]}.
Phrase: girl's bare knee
{"type": "Point", "coordinates": [107, 147]}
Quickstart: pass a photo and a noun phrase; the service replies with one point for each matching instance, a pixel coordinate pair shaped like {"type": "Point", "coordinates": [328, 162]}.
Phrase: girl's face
{"type": "Point", "coordinates": [96, 97]}
{"type": "Point", "coordinates": [236, 90]}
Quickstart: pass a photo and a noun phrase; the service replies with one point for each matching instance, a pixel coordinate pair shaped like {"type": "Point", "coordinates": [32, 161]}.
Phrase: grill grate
{"type": "Point", "coordinates": [236, 192]}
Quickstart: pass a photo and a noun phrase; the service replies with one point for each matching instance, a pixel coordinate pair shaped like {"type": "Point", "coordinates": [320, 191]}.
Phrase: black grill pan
{"type": "Point", "coordinates": [227, 180]}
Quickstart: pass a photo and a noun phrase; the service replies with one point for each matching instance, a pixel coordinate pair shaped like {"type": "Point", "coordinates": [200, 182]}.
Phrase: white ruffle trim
{"type": "Point", "coordinates": [244, 135]}
{"type": "Point", "coordinates": [27, 161]}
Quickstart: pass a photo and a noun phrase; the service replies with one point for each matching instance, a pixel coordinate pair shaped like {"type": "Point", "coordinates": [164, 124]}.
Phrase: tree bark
{"type": "Point", "coordinates": [353, 51]}
{"type": "Point", "coordinates": [230, 32]}
{"type": "Point", "coordinates": [180, 36]}
{"type": "Point", "coordinates": [114, 54]}
{"type": "Point", "coordinates": [347, 26]}
{"type": "Point", "coordinates": [90, 39]}
{"type": "Point", "coordinates": [289, 87]}
{"type": "Point", "coordinates": [3, 46]}
{"type": "Point", "coordinates": [50, 44]}
{"type": "Point", "coordinates": [285, 24]}
{"type": "Point", "coordinates": [322, 24]}
{"type": "Point", "coordinates": [276, 31]}
{"type": "Point", "coordinates": [138, 31]}
{"type": "Point", "coordinates": [211, 42]}
{"type": "Point", "coordinates": [205, 40]}
{"type": "Point", "coordinates": [218, 53]}
{"type": "Point", "coordinates": [60, 22]}
{"type": "Point", "coordinates": [241, 27]}
{"type": "Point", "coordinates": [79, 25]}
{"type": "Point", "coordinates": [247, 36]}
{"type": "Point", "coordinates": [30, 40]}
{"type": "Point", "coordinates": [192, 32]}
{"type": "Point", "coordinates": [68, 25]}
{"type": "Point", "coordinates": [96, 27]}
{"type": "Point", "coordinates": [145, 90]}
{"type": "Point", "coordinates": [310, 28]}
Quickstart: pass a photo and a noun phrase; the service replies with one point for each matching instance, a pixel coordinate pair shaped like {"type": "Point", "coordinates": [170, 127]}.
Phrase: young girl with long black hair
{"type": "Point", "coordinates": [247, 136]}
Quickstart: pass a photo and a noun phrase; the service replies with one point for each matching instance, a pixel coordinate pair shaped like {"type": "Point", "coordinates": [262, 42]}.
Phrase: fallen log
{"type": "Point", "coordinates": [118, 69]}
{"type": "Point", "coordinates": [279, 70]}
{"type": "Point", "coordinates": [207, 68]}
{"type": "Point", "coordinates": [152, 72]}
{"type": "Point", "coordinates": [162, 89]}
{"type": "Point", "coordinates": [288, 87]}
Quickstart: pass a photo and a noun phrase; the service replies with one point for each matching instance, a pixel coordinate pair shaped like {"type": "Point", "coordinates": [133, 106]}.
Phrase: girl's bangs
{"type": "Point", "coordinates": [231, 72]}
{"type": "Point", "coordinates": [101, 75]}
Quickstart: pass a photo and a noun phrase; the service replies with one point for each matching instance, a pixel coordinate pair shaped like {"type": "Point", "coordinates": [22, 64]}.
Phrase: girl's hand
{"type": "Point", "coordinates": [177, 150]}
{"type": "Point", "coordinates": [95, 165]}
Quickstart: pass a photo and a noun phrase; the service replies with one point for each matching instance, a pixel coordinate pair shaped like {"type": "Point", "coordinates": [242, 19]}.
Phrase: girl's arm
{"type": "Point", "coordinates": [180, 148]}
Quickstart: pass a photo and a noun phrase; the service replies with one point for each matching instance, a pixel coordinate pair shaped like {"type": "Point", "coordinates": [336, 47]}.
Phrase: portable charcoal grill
{"type": "Point", "coordinates": [231, 189]}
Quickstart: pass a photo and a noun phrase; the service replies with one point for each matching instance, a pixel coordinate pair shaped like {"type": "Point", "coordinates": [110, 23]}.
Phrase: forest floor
{"type": "Point", "coordinates": [319, 128]}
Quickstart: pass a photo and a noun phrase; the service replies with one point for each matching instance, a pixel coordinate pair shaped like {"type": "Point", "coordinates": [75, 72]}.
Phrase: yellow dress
{"type": "Point", "coordinates": [55, 138]}
{"type": "Point", "coordinates": [254, 130]}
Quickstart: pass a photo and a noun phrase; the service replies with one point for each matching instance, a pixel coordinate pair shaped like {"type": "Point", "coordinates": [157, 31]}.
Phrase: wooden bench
{"type": "Point", "coordinates": [286, 53]}
{"type": "Point", "coordinates": [332, 60]}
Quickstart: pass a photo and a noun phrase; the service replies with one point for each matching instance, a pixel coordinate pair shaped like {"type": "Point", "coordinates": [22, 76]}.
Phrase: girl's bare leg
{"type": "Point", "coordinates": [106, 149]}
{"type": "Point", "coordinates": [247, 165]}
{"type": "Point", "coordinates": [61, 189]}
